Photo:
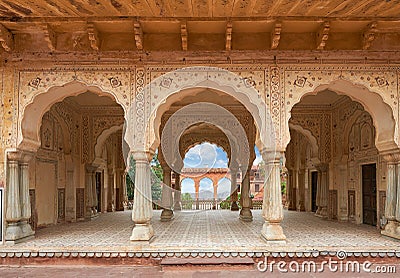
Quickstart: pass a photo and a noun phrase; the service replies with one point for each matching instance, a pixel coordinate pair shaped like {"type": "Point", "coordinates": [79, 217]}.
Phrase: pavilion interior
{"type": "Point", "coordinates": [333, 167]}
{"type": "Point", "coordinates": [341, 162]}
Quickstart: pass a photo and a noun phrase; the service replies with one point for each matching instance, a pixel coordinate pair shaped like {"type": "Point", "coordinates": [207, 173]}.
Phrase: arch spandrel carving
{"type": "Point", "coordinates": [375, 89]}
{"type": "Point", "coordinates": [168, 85]}
{"type": "Point", "coordinates": [30, 114]}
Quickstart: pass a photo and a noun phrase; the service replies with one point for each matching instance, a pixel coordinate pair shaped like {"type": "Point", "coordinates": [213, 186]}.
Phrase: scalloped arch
{"type": "Point", "coordinates": [166, 89]}
{"type": "Point", "coordinates": [381, 112]}
{"type": "Point", "coordinates": [32, 113]}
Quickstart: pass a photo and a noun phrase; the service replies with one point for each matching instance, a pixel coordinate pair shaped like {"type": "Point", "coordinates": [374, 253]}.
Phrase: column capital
{"type": "Point", "coordinates": [14, 156]}
{"type": "Point", "coordinates": [142, 155]}
{"type": "Point", "coordinates": [271, 156]}
{"type": "Point", "coordinates": [323, 167]}
{"type": "Point", "coordinates": [91, 168]}
{"type": "Point", "coordinates": [392, 157]}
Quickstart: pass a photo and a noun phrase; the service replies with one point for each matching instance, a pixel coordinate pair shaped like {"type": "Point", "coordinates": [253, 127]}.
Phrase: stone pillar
{"type": "Point", "coordinates": [245, 212]}
{"type": "Point", "coordinates": [18, 209]}
{"type": "Point", "coordinates": [215, 186]}
{"type": "Point", "coordinates": [94, 194]}
{"type": "Point", "coordinates": [125, 191]}
{"type": "Point", "coordinates": [24, 195]}
{"type": "Point", "coordinates": [166, 197]}
{"type": "Point", "coordinates": [177, 192]}
{"type": "Point", "coordinates": [343, 200]}
{"type": "Point", "coordinates": [392, 228]}
{"type": "Point", "coordinates": [142, 211]}
{"type": "Point", "coordinates": [89, 212]}
{"type": "Point", "coordinates": [290, 190]}
{"type": "Point", "coordinates": [272, 203]}
{"type": "Point", "coordinates": [196, 189]}
{"type": "Point", "coordinates": [234, 190]}
{"type": "Point", "coordinates": [301, 189]}
{"type": "Point", "coordinates": [323, 190]}
{"type": "Point", "coordinates": [318, 195]}
{"type": "Point", "coordinates": [110, 186]}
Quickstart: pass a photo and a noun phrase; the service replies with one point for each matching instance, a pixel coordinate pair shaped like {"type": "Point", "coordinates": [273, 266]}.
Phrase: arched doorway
{"type": "Point", "coordinates": [338, 145]}
{"type": "Point", "coordinates": [170, 88]}
{"type": "Point", "coordinates": [65, 179]}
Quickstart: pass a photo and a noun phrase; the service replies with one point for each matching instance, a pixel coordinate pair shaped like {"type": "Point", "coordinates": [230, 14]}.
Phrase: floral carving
{"type": "Point", "coordinates": [34, 83]}
{"type": "Point", "coordinates": [381, 81]}
{"type": "Point", "coordinates": [166, 82]}
{"type": "Point", "coordinates": [300, 81]}
{"type": "Point", "coordinates": [115, 82]}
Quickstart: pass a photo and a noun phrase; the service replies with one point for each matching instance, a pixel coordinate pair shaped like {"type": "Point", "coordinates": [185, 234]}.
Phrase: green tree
{"type": "Point", "coordinates": [187, 201]}
{"type": "Point", "coordinates": [130, 179]}
{"type": "Point", "coordinates": [156, 177]}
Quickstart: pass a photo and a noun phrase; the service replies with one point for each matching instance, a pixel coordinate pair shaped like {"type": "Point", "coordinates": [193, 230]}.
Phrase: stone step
{"type": "Point", "coordinates": [206, 261]}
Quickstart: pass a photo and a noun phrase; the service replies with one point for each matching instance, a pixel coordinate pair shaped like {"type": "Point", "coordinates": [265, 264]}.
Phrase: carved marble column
{"type": "Point", "coordinates": [343, 211]}
{"type": "Point", "coordinates": [391, 206]}
{"type": "Point", "coordinates": [196, 189]}
{"type": "Point", "coordinates": [177, 192]}
{"type": "Point", "coordinates": [215, 186]}
{"type": "Point", "coordinates": [110, 189]}
{"type": "Point", "coordinates": [245, 212]}
{"type": "Point", "coordinates": [24, 195]}
{"type": "Point", "coordinates": [17, 198]}
{"type": "Point", "coordinates": [94, 192]}
{"type": "Point", "coordinates": [301, 189]}
{"type": "Point", "coordinates": [290, 190]}
{"type": "Point", "coordinates": [142, 211]}
{"type": "Point", "coordinates": [166, 197]}
{"type": "Point", "coordinates": [234, 190]}
{"type": "Point", "coordinates": [272, 203]}
{"type": "Point", "coordinates": [125, 191]}
{"type": "Point", "coordinates": [89, 213]}
{"type": "Point", "coordinates": [323, 188]}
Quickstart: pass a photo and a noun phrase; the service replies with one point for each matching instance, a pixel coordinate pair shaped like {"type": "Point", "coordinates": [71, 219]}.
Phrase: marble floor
{"type": "Point", "coordinates": [208, 231]}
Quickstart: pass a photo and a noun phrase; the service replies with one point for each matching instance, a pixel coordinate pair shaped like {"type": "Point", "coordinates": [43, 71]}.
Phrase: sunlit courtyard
{"type": "Point", "coordinates": [206, 231]}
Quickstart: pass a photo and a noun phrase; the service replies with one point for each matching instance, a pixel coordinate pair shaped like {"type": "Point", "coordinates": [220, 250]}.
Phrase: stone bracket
{"type": "Point", "coordinates": [6, 38]}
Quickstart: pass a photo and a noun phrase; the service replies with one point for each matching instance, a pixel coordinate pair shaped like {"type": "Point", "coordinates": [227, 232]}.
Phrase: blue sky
{"type": "Point", "coordinates": [208, 155]}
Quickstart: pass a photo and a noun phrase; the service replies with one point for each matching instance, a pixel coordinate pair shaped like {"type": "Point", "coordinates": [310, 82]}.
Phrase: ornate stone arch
{"type": "Point", "coordinates": [102, 138]}
{"type": "Point", "coordinates": [32, 111]}
{"type": "Point", "coordinates": [165, 90]}
{"type": "Point", "coordinates": [378, 106]}
{"type": "Point", "coordinates": [311, 139]}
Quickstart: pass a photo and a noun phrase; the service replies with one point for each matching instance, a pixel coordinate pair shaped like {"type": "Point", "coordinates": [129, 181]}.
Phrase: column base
{"type": "Point", "coordinates": [18, 232]}
{"type": "Point", "coordinates": [246, 215]}
{"type": "Point", "coordinates": [142, 232]}
{"type": "Point", "coordinates": [166, 215]}
{"type": "Point", "coordinates": [392, 229]}
{"type": "Point", "coordinates": [301, 207]}
{"type": "Point", "coordinates": [273, 233]}
{"type": "Point", "coordinates": [234, 206]}
{"type": "Point", "coordinates": [322, 212]}
{"type": "Point", "coordinates": [177, 206]}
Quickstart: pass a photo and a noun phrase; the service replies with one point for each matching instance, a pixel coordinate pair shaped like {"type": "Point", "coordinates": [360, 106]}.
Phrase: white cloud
{"type": "Point", "coordinates": [187, 186]}
{"type": "Point", "coordinates": [201, 156]}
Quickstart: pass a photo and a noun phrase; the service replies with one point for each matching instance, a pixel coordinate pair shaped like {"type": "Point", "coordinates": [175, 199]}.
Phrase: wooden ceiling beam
{"type": "Point", "coordinates": [228, 36]}
{"type": "Point", "coordinates": [50, 37]}
{"type": "Point", "coordinates": [184, 36]}
{"type": "Point", "coordinates": [276, 35]}
{"type": "Point", "coordinates": [93, 36]}
{"type": "Point", "coordinates": [369, 35]}
{"type": "Point", "coordinates": [323, 35]}
{"type": "Point", "coordinates": [6, 38]}
{"type": "Point", "coordinates": [138, 35]}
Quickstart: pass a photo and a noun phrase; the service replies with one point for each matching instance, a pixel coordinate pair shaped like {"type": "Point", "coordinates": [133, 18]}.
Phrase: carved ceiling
{"type": "Point", "coordinates": [196, 8]}
{"type": "Point", "coordinates": [183, 25]}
